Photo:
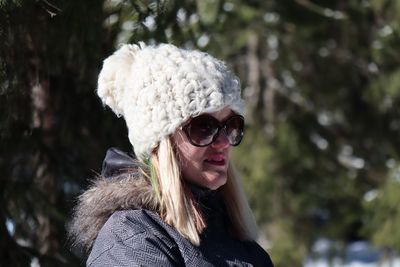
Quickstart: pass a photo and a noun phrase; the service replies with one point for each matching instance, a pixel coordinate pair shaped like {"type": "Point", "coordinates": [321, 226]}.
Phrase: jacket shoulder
{"type": "Point", "coordinates": [134, 238]}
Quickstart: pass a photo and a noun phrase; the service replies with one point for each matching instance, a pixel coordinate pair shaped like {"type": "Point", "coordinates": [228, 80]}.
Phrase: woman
{"type": "Point", "coordinates": [180, 202]}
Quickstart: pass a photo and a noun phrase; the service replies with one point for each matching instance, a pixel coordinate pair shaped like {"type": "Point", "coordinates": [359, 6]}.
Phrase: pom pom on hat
{"type": "Point", "coordinates": [157, 88]}
{"type": "Point", "coordinates": [113, 76]}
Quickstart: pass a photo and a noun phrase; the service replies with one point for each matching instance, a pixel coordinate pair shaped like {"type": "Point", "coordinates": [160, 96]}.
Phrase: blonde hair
{"type": "Point", "coordinates": [178, 207]}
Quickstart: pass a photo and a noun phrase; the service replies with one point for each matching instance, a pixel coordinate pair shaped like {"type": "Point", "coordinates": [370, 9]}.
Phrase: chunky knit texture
{"type": "Point", "coordinates": [157, 88]}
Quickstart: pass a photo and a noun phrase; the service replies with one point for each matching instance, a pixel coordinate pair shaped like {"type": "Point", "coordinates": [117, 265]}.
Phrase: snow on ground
{"type": "Point", "coordinates": [355, 254]}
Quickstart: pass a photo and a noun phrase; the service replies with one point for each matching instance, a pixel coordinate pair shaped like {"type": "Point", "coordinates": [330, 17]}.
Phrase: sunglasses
{"type": "Point", "coordinates": [204, 129]}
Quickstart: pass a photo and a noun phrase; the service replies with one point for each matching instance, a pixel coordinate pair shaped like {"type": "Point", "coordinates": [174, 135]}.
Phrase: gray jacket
{"type": "Point", "coordinates": [116, 221]}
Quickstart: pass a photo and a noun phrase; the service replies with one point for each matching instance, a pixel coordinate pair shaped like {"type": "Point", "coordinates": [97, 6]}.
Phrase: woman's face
{"type": "Point", "coordinates": [205, 166]}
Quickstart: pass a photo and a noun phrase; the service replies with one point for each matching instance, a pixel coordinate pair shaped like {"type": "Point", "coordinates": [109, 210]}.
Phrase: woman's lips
{"type": "Point", "coordinates": [216, 159]}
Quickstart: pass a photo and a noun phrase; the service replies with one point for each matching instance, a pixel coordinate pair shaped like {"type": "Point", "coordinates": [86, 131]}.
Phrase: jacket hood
{"type": "Point", "coordinates": [120, 187]}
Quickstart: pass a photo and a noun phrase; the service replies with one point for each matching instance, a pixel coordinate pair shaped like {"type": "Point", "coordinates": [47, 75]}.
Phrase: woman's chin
{"type": "Point", "coordinates": [214, 180]}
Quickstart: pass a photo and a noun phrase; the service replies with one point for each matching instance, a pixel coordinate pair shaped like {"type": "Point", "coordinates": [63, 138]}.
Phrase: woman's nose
{"type": "Point", "coordinates": [221, 141]}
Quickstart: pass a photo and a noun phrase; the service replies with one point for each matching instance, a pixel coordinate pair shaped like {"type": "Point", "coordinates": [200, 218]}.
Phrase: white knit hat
{"type": "Point", "coordinates": [157, 88]}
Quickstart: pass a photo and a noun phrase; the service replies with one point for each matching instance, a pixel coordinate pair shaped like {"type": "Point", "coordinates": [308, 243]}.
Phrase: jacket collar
{"type": "Point", "coordinates": [120, 187]}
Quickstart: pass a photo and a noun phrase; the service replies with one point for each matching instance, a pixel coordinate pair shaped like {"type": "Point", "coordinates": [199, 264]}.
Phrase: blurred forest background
{"type": "Point", "coordinates": [320, 158]}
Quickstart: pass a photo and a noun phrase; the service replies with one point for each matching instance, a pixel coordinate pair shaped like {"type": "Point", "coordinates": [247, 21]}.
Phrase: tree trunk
{"type": "Point", "coordinates": [43, 123]}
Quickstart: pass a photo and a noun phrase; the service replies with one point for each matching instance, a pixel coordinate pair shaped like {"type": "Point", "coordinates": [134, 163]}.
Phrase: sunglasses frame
{"type": "Point", "coordinates": [221, 126]}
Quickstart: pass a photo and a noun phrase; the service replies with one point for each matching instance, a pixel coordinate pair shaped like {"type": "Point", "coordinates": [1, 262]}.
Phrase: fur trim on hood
{"type": "Point", "coordinates": [129, 190]}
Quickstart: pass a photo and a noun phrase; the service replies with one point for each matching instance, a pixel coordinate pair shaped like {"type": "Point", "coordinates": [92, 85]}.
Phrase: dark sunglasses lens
{"type": "Point", "coordinates": [202, 129]}
{"type": "Point", "coordinates": [234, 130]}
